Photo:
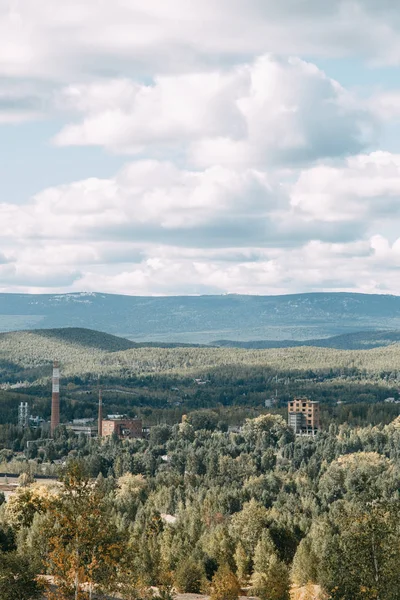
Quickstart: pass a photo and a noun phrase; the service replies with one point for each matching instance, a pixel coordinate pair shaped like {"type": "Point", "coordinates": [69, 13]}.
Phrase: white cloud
{"type": "Point", "coordinates": [364, 188]}
{"type": "Point", "coordinates": [268, 112]}
{"type": "Point", "coordinates": [126, 116]}
{"type": "Point", "coordinates": [28, 276]}
{"type": "Point", "coordinates": [386, 105]}
{"type": "Point", "coordinates": [263, 189]}
{"type": "Point", "coordinates": [315, 265]}
{"type": "Point", "coordinates": [83, 36]}
{"type": "Point", "coordinates": [154, 228]}
{"type": "Point", "coordinates": [294, 113]}
{"type": "Point", "coordinates": [147, 200]}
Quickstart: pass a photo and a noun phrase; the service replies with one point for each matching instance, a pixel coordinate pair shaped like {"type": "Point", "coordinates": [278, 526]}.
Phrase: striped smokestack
{"type": "Point", "coordinates": [100, 417]}
{"type": "Point", "coordinates": [55, 398]}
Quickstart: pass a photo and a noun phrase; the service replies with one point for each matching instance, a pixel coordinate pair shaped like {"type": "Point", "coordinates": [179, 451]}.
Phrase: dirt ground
{"type": "Point", "coordinates": [201, 597]}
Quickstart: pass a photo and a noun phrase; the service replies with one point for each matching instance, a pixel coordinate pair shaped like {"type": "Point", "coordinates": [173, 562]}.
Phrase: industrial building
{"type": "Point", "coordinates": [83, 427]}
{"type": "Point", "coordinates": [304, 416]}
{"type": "Point", "coordinates": [23, 414]}
{"type": "Point", "coordinates": [122, 427]}
{"type": "Point", "coordinates": [55, 398]}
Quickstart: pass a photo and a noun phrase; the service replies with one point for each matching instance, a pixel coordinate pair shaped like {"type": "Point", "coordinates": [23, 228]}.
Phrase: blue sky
{"type": "Point", "coordinates": [184, 147]}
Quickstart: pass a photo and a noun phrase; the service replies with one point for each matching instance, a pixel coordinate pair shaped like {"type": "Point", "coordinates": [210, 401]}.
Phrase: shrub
{"type": "Point", "coordinates": [225, 585]}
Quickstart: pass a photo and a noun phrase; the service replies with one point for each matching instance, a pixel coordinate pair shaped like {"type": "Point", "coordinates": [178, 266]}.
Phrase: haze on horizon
{"type": "Point", "coordinates": [218, 147]}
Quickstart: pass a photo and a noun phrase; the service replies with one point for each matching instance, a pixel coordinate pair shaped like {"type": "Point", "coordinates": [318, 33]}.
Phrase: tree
{"type": "Point", "coordinates": [355, 546]}
{"type": "Point", "coordinates": [273, 582]}
{"type": "Point", "coordinates": [225, 585]}
{"type": "Point", "coordinates": [248, 524]}
{"type": "Point", "coordinates": [305, 563]}
{"type": "Point", "coordinates": [131, 490]}
{"type": "Point", "coordinates": [7, 538]}
{"type": "Point", "coordinates": [28, 501]}
{"type": "Point", "coordinates": [203, 419]}
{"type": "Point", "coordinates": [243, 564]}
{"type": "Point", "coordinates": [189, 576]}
{"type": "Point", "coordinates": [270, 579]}
{"type": "Point", "coordinates": [218, 544]}
{"type": "Point", "coordinates": [17, 578]}
{"type": "Point", "coordinates": [84, 548]}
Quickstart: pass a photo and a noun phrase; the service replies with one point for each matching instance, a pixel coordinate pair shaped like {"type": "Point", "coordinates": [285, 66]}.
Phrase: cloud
{"type": "Point", "coordinates": [147, 200]}
{"type": "Point", "coordinates": [270, 111]}
{"type": "Point", "coordinates": [154, 228]}
{"type": "Point", "coordinates": [33, 277]}
{"type": "Point", "coordinates": [252, 170]}
{"type": "Point", "coordinates": [127, 117]}
{"type": "Point", "coordinates": [316, 265]}
{"type": "Point", "coordinates": [364, 188]}
{"type": "Point", "coordinates": [386, 105]}
{"type": "Point", "coordinates": [82, 37]}
{"type": "Point", "coordinates": [294, 113]}
{"type": "Point", "coordinates": [22, 101]}
{"type": "Point", "coordinates": [155, 202]}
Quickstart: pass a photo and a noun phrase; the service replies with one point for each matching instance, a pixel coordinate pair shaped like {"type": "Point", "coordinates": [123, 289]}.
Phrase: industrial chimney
{"type": "Point", "coordinates": [55, 398]}
{"type": "Point", "coordinates": [100, 417]}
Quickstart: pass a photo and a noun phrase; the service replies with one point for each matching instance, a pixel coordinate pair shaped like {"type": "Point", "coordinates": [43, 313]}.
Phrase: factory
{"type": "Point", "coordinates": [114, 425]}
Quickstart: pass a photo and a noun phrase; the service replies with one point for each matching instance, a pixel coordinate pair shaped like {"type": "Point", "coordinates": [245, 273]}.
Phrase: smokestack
{"type": "Point", "coordinates": [55, 398]}
{"type": "Point", "coordinates": [100, 417]}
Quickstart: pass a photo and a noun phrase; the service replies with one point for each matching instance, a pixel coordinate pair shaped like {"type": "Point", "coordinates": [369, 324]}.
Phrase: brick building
{"type": "Point", "coordinates": [304, 416]}
{"type": "Point", "coordinates": [123, 428]}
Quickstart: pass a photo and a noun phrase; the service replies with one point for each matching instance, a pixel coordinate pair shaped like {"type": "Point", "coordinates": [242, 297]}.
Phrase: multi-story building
{"type": "Point", "coordinates": [23, 414]}
{"type": "Point", "coordinates": [304, 416]}
{"type": "Point", "coordinates": [123, 427]}
{"type": "Point", "coordinates": [82, 429]}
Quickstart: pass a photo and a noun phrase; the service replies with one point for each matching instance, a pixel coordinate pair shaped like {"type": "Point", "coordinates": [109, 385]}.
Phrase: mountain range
{"type": "Point", "coordinates": [203, 319]}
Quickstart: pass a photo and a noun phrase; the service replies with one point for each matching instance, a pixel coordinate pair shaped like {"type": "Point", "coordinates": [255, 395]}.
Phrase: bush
{"type": "Point", "coordinates": [225, 585]}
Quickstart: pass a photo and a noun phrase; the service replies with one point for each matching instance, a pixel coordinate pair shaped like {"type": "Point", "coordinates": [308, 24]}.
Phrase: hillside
{"type": "Point", "coordinates": [175, 379]}
{"type": "Point", "coordinates": [78, 336]}
{"type": "Point", "coordinates": [202, 319]}
{"type": "Point", "coordinates": [28, 354]}
{"type": "Point", "coordinates": [361, 340]}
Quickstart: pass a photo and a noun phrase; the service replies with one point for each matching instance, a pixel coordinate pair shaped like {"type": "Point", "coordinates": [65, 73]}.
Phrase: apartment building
{"type": "Point", "coordinates": [304, 416]}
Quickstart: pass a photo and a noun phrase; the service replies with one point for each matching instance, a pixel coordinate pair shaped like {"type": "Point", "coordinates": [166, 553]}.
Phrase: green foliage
{"type": "Point", "coordinates": [25, 504]}
{"type": "Point", "coordinates": [270, 579]}
{"type": "Point", "coordinates": [243, 564]}
{"type": "Point", "coordinates": [189, 576]}
{"type": "Point", "coordinates": [272, 583]}
{"type": "Point", "coordinates": [225, 585]}
{"type": "Point", "coordinates": [17, 579]}
{"type": "Point", "coordinates": [360, 560]}
{"type": "Point", "coordinates": [84, 548]}
{"type": "Point", "coordinates": [248, 525]}
{"type": "Point", "coordinates": [204, 419]}
{"type": "Point", "coordinates": [212, 507]}
{"type": "Point", "coordinates": [305, 563]}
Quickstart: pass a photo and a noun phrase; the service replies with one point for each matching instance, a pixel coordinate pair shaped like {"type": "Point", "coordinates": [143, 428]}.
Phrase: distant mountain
{"type": "Point", "coordinates": [202, 319]}
{"type": "Point", "coordinates": [361, 340]}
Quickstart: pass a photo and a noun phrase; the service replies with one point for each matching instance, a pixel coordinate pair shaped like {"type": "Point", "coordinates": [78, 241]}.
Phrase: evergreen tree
{"type": "Point", "coordinates": [225, 585]}
{"type": "Point", "coordinates": [17, 578]}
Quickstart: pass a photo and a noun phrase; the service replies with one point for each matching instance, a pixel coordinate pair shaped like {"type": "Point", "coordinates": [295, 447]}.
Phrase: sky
{"type": "Point", "coordinates": [186, 147]}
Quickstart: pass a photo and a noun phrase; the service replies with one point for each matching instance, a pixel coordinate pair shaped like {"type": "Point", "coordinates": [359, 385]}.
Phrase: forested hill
{"type": "Point", "coordinates": [202, 319]}
{"type": "Point", "coordinates": [76, 336]}
{"type": "Point", "coordinates": [360, 340]}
